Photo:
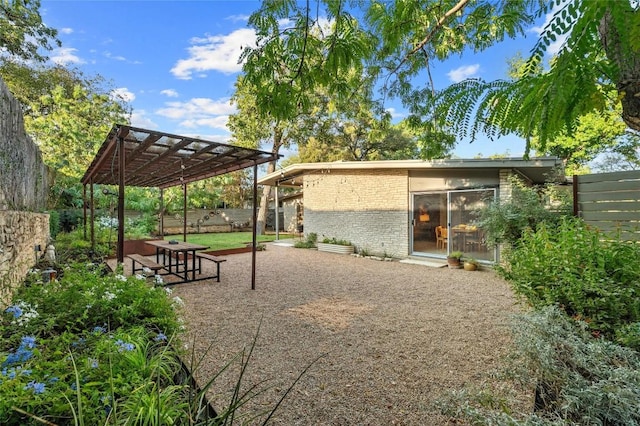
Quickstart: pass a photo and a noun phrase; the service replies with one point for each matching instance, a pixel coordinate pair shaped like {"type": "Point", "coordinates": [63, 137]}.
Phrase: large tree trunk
{"type": "Point", "coordinates": [266, 190]}
{"type": "Point", "coordinates": [622, 52]}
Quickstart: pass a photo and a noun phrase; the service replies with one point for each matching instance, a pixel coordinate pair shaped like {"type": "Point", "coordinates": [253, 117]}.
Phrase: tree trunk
{"type": "Point", "coordinates": [266, 189]}
{"type": "Point", "coordinates": [626, 57]}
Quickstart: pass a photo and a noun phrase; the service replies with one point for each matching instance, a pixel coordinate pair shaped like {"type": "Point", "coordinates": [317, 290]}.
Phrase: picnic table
{"type": "Point", "coordinates": [183, 260]}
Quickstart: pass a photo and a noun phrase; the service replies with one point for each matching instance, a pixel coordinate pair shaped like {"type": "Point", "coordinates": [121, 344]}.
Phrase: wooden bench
{"type": "Point", "coordinates": [144, 263]}
{"type": "Point", "coordinates": [212, 258]}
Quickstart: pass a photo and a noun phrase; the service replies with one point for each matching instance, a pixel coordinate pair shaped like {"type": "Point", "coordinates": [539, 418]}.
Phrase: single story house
{"type": "Point", "coordinates": [403, 208]}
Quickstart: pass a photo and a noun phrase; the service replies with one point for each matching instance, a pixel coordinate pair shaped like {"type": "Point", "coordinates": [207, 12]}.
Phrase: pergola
{"type": "Point", "coordinates": [131, 156]}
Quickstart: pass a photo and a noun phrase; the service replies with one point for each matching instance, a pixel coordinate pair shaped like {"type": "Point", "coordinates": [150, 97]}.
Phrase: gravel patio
{"type": "Point", "coordinates": [388, 338]}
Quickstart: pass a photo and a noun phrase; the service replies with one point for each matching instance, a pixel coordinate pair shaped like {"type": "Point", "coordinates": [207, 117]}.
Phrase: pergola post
{"type": "Point", "coordinates": [184, 212]}
{"type": "Point", "coordinates": [277, 213]}
{"type": "Point", "coordinates": [161, 218]}
{"type": "Point", "coordinates": [84, 212]}
{"type": "Point", "coordinates": [254, 225]}
{"type": "Point", "coordinates": [92, 219]}
{"type": "Point", "coordinates": [121, 167]}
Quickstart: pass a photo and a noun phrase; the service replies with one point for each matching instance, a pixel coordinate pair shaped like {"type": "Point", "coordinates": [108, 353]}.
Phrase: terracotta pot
{"type": "Point", "coordinates": [454, 262]}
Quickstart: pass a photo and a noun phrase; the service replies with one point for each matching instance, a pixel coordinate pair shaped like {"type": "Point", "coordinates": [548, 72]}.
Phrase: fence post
{"type": "Point", "coordinates": [576, 211]}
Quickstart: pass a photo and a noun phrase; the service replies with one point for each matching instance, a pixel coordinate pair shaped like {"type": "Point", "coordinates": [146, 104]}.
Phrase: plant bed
{"type": "Point", "coordinates": [139, 247]}
{"type": "Point", "coordinates": [335, 248]}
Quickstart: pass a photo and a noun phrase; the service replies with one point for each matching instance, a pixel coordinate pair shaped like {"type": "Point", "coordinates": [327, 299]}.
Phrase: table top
{"type": "Point", "coordinates": [180, 246]}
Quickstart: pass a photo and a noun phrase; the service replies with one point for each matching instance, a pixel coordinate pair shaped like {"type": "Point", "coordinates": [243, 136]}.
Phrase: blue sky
{"type": "Point", "coordinates": [176, 61]}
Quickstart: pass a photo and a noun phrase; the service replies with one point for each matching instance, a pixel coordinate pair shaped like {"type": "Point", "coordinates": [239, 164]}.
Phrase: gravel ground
{"type": "Point", "coordinates": [383, 340]}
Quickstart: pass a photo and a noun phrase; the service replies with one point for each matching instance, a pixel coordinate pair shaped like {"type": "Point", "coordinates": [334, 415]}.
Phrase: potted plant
{"type": "Point", "coordinates": [453, 259]}
{"type": "Point", "coordinates": [471, 264]}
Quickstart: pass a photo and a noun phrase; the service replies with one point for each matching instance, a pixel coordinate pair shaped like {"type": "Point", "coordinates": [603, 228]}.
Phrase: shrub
{"type": "Point", "coordinates": [84, 347]}
{"type": "Point", "coordinates": [310, 242]}
{"type": "Point", "coordinates": [505, 221]}
{"type": "Point", "coordinates": [572, 266]}
{"type": "Point", "coordinates": [336, 241]}
{"type": "Point", "coordinates": [578, 379]}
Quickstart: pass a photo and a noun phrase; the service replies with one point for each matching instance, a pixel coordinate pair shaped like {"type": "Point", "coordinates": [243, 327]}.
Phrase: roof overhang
{"type": "Point", "coordinates": [536, 170]}
{"type": "Point", "coordinates": [162, 160]}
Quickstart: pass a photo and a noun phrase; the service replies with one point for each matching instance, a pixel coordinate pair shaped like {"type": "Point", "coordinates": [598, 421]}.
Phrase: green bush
{"type": "Point", "coordinates": [571, 265]}
{"type": "Point", "coordinates": [336, 241]}
{"type": "Point", "coordinates": [54, 223]}
{"type": "Point", "coordinates": [310, 242]}
{"type": "Point", "coordinates": [84, 347]}
{"type": "Point", "coordinates": [504, 222]}
{"type": "Point", "coordinates": [578, 379]}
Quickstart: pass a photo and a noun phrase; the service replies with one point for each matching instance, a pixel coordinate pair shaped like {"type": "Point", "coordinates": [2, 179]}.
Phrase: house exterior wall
{"type": "Point", "coordinates": [442, 180]}
{"type": "Point", "coordinates": [370, 208]}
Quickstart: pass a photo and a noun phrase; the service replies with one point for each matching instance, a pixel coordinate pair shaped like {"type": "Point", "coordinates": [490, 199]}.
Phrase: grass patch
{"type": "Point", "coordinates": [225, 240]}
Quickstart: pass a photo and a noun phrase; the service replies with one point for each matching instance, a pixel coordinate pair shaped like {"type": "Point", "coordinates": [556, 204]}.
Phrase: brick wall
{"type": "Point", "coordinates": [369, 208]}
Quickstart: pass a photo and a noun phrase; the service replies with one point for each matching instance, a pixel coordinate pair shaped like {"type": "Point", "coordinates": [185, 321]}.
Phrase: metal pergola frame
{"type": "Point", "coordinates": [132, 156]}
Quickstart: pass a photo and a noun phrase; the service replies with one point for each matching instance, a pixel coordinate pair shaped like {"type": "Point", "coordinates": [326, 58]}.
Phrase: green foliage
{"type": "Point", "coordinates": [334, 240]}
{"type": "Point", "coordinates": [310, 242]}
{"type": "Point", "coordinates": [54, 223]}
{"type": "Point", "coordinates": [551, 103]}
{"type": "Point", "coordinates": [505, 221]}
{"type": "Point", "coordinates": [455, 255]}
{"type": "Point", "coordinates": [85, 346]}
{"type": "Point", "coordinates": [51, 95]}
{"type": "Point", "coordinates": [73, 247]}
{"type": "Point", "coordinates": [22, 31]}
{"type": "Point", "coordinates": [580, 379]}
{"type": "Point", "coordinates": [573, 266]}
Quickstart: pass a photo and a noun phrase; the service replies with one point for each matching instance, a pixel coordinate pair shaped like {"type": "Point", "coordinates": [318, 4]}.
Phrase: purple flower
{"type": "Point", "coordinates": [124, 346]}
{"type": "Point", "coordinates": [37, 387]}
{"type": "Point", "coordinates": [99, 329]}
{"type": "Point", "coordinates": [28, 342]}
{"type": "Point", "coordinates": [15, 310]}
{"type": "Point", "coordinates": [160, 338]}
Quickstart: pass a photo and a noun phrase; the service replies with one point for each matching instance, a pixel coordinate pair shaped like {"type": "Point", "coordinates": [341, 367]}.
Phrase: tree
{"type": "Point", "coordinates": [403, 39]}
{"type": "Point", "coordinates": [600, 57]}
{"type": "Point", "coordinates": [67, 114]}
{"type": "Point", "coordinates": [22, 31]}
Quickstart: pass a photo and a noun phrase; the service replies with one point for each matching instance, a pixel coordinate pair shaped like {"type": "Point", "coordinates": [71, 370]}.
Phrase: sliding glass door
{"type": "Point", "coordinates": [447, 221]}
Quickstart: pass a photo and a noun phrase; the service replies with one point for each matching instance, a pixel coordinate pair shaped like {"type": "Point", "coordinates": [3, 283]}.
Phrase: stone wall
{"type": "Point", "coordinates": [23, 190]}
{"type": "Point", "coordinates": [20, 233]}
{"type": "Point", "coordinates": [369, 208]}
{"type": "Point", "coordinates": [23, 175]}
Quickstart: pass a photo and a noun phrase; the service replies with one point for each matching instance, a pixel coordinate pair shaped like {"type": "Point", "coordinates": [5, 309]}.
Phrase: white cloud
{"type": "Point", "coordinates": [197, 108]}
{"type": "Point", "coordinates": [170, 93]}
{"type": "Point", "coordinates": [66, 30]}
{"type": "Point", "coordinates": [214, 53]}
{"type": "Point", "coordinates": [464, 72]}
{"type": "Point", "coordinates": [199, 112]}
{"type": "Point", "coordinates": [109, 55]}
{"type": "Point", "coordinates": [218, 122]}
{"type": "Point", "coordinates": [139, 118]}
{"type": "Point", "coordinates": [124, 94]}
{"type": "Point", "coordinates": [237, 18]}
{"type": "Point", "coordinates": [395, 114]}
{"type": "Point", "coordinates": [66, 55]}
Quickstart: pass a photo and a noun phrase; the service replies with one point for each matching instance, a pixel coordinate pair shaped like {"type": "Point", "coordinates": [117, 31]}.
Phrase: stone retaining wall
{"type": "Point", "coordinates": [24, 187]}
{"type": "Point", "coordinates": [20, 233]}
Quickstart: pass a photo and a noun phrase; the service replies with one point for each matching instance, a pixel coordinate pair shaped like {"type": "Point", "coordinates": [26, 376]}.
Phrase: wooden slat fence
{"type": "Point", "coordinates": [610, 202]}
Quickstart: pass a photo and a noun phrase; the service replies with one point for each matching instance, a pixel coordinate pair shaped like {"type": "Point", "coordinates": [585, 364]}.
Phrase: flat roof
{"type": "Point", "coordinates": [161, 160]}
{"type": "Point", "coordinates": [536, 169]}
